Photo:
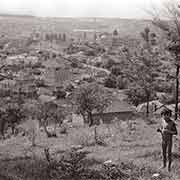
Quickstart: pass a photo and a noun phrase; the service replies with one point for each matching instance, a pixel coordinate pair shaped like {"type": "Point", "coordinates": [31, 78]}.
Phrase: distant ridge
{"type": "Point", "coordinates": [16, 15]}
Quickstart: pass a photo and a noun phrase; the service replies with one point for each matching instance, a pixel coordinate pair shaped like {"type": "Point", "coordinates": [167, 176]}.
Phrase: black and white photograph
{"type": "Point", "coordinates": [89, 90]}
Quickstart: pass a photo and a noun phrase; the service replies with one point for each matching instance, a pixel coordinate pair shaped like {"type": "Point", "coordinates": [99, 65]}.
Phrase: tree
{"type": "Point", "coordinates": [3, 122]}
{"type": "Point", "coordinates": [47, 37]}
{"type": "Point", "coordinates": [59, 36]}
{"type": "Point", "coordinates": [121, 82]}
{"type": "Point", "coordinates": [172, 32]}
{"type": "Point", "coordinates": [116, 70]}
{"type": "Point", "coordinates": [60, 93]}
{"type": "Point", "coordinates": [137, 95]}
{"type": "Point", "coordinates": [64, 37]}
{"type": "Point", "coordinates": [90, 98]}
{"type": "Point", "coordinates": [85, 35]}
{"type": "Point", "coordinates": [110, 81]}
{"type": "Point", "coordinates": [49, 112]}
{"type": "Point", "coordinates": [11, 114]}
{"type": "Point", "coordinates": [95, 36]}
{"type": "Point", "coordinates": [115, 32]}
{"type": "Point", "coordinates": [14, 115]}
{"type": "Point", "coordinates": [109, 64]}
{"type": "Point", "coordinates": [143, 68]}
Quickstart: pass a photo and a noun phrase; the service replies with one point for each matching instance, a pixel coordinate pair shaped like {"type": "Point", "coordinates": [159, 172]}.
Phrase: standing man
{"type": "Point", "coordinates": [167, 131]}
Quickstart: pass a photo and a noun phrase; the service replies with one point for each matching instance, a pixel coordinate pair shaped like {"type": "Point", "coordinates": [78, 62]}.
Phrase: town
{"type": "Point", "coordinates": [81, 98]}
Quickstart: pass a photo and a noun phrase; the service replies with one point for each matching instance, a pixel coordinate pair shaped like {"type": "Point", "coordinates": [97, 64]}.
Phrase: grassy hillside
{"type": "Point", "coordinates": [134, 142]}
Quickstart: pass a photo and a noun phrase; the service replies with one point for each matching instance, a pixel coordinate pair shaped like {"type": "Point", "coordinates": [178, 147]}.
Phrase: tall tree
{"type": "Point", "coordinates": [47, 113]}
{"type": "Point", "coordinates": [64, 37]}
{"type": "Point", "coordinates": [142, 68]}
{"type": "Point", "coordinates": [115, 32]}
{"type": "Point", "coordinates": [172, 31]}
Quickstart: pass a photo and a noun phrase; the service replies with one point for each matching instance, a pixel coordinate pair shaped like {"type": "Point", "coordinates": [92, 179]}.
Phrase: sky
{"type": "Point", "coordinates": [80, 8]}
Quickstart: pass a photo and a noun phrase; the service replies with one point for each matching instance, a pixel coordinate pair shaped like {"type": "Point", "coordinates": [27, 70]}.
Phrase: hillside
{"type": "Point", "coordinates": [12, 25]}
{"type": "Point", "coordinates": [45, 63]}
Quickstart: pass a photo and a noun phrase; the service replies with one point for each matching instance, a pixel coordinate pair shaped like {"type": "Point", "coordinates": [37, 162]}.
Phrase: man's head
{"type": "Point", "coordinates": [166, 113]}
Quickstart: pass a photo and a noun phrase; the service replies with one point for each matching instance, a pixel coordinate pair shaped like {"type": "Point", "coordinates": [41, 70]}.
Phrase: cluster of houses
{"type": "Point", "coordinates": [40, 72]}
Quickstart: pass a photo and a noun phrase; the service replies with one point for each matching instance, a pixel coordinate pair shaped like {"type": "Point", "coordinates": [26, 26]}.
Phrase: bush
{"type": "Point", "coordinates": [110, 82]}
{"type": "Point", "coordinates": [109, 64]}
{"type": "Point", "coordinates": [40, 83]}
{"type": "Point", "coordinates": [60, 94]}
{"type": "Point", "coordinates": [116, 70]}
{"type": "Point", "coordinates": [90, 53]}
{"type": "Point", "coordinates": [164, 87]}
{"type": "Point", "coordinates": [121, 82]}
{"type": "Point", "coordinates": [69, 87]}
{"type": "Point", "coordinates": [74, 64]}
{"type": "Point", "coordinates": [98, 64]}
{"type": "Point", "coordinates": [137, 96]}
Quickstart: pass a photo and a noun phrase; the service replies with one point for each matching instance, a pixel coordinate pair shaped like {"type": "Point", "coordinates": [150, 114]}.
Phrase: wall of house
{"type": "Point", "coordinates": [110, 117]}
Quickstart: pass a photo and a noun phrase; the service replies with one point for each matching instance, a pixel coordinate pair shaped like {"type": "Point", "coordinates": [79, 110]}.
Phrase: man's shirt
{"type": "Point", "coordinates": [168, 126]}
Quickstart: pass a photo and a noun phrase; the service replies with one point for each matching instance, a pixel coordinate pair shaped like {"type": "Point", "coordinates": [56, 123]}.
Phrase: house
{"type": "Point", "coordinates": [117, 110]}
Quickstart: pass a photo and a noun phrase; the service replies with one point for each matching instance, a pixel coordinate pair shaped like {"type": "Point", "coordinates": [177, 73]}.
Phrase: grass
{"type": "Point", "coordinates": [139, 148]}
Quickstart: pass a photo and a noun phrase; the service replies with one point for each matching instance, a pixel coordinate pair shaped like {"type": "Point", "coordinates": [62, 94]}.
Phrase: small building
{"type": "Point", "coordinates": [117, 110]}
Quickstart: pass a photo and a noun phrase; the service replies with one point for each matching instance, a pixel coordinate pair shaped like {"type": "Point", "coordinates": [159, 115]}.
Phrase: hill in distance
{"type": "Point", "coordinates": [17, 25]}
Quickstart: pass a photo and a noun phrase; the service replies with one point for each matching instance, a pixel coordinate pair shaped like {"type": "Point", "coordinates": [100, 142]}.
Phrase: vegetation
{"type": "Point", "coordinates": [137, 68]}
{"type": "Point", "coordinates": [143, 72]}
{"type": "Point", "coordinates": [49, 113]}
{"type": "Point", "coordinates": [110, 81]}
{"type": "Point", "coordinates": [90, 98]}
{"type": "Point", "coordinates": [172, 32]}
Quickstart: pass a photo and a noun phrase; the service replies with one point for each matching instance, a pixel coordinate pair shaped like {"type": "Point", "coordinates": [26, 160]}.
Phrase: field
{"type": "Point", "coordinates": [134, 142]}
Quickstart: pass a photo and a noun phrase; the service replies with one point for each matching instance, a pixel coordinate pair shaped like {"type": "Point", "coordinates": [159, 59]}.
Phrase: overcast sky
{"type": "Point", "coordinates": [80, 8]}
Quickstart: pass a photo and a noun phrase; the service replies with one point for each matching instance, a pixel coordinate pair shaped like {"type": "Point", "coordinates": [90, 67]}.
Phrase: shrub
{"type": "Point", "coordinates": [69, 87]}
{"type": "Point", "coordinates": [60, 94]}
{"type": "Point", "coordinates": [74, 64]}
{"type": "Point", "coordinates": [164, 87]}
{"type": "Point", "coordinates": [116, 70]}
{"type": "Point", "coordinates": [109, 64]}
{"type": "Point", "coordinates": [121, 82]}
{"type": "Point", "coordinates": [98, 64]}
{"type": "Point", "coordinates": [90, 53]}
{"type": "Point", "coordinates": [137, 96]}
{"type": "Point", "coordinates": [110, 82]}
